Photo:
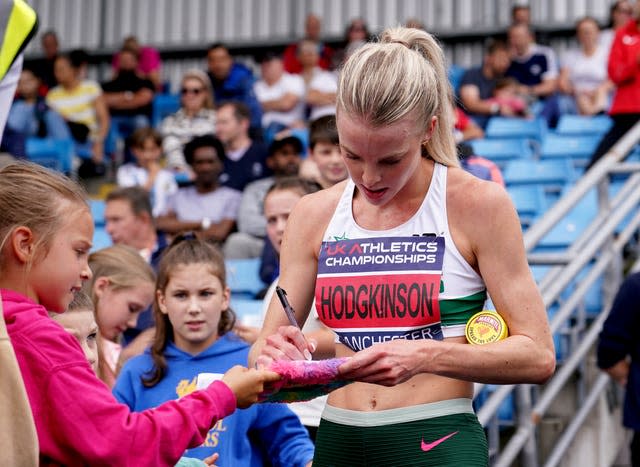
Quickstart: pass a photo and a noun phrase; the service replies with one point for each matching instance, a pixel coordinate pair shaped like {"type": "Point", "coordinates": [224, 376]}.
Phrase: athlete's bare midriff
{"type": "Point", "coordinates": [421, 389]}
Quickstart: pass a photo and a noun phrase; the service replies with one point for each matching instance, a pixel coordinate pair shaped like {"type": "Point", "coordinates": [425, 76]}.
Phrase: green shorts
{"type": "Point", "coordinates": [439, 434]}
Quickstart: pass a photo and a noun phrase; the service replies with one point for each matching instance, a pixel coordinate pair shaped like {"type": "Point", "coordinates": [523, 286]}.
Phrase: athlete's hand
{"type": "Point", "coordinates": [287, 344]}
{"type": "Point", "coordinates": [389, 363]}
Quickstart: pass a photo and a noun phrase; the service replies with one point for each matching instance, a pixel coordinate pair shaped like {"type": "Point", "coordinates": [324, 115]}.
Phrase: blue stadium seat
{"type": "Point", "coordinates": [455, 74]}
{"type": "Point", "coordinates": [550, 173]}
{"type": "Point", "coordinates": [505, 413]}
{"type": "Point", "coordinates": [505, 127]}
{"type": "Point", "coordinates": [56, 154]}
{"type": "Point", "coordinates": [97, 211]}
{"type": "Point", "coordinates": [163, 105]}
{"type": "Point", "coordinates": [530, 202]}
{"type": "Point", "coordinates": [243, 277]}
{"type": "Point", "coordinates": [583, 125]}
{"type": "Point", "coordinates": [101, 239]}
{"type": "Point", "coordinates": [567, 230]}
{"type": "Point", "coordinates": [577, 147]}
{"type": "Point", "coordinates": [501, 150]}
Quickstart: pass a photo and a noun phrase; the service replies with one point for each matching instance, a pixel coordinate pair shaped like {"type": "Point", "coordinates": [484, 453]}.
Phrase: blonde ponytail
{"type": "Point", "coordinates": [403, 73]}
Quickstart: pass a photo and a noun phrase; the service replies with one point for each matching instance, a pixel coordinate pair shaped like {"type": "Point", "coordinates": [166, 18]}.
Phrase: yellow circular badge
{"type": "Point", "coordinates": [486, 327]}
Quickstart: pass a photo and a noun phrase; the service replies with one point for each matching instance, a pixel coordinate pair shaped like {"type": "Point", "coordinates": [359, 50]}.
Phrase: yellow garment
{"type": "Point", "coordinates": [21, 25]}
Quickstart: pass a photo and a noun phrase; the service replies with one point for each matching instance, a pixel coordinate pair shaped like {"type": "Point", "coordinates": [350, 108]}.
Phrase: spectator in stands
{"type": "Point", "coordinates": [325, 165]}
{"type": "Point", "coordinates": [465, 129]}
{"type": "Point", "coordinates": [623, 71]}
{"type": "Point", "coordinates": [129, 221]}
{"type": "Point", "coordinates": [320, 85]}
{"type": "Point", "coordinates": [121, 287]}
{"type": "Point", "coordinates": [128, 96]}
{"type": "Point", "coordinates": [245, 158]}
{"type": "Point", "coordinates": [536, 69]}
{"type": "Point", "coordinates": [477, 84]}
{"type": "Point", "coordinates": [149, 63]}
{"type": "Point", "coordinates": [43, 67]}
{"type": "Point", "coordinates": [583, 72]}
{"type": "Point", "coordinates": [477, 165]}
{"type": "Point", "coordinates": [506, 94]}
{"type": "Point", "coordinates": [281, 96]}
{"type": "Point", "coordinates": [284, 160]}
{"type": "Point", "coordinates": [195, 117]}
{"type": "Point", "coordinates": [355, 36]}
{"type": "Point", "coordinates": [620, 12]}
{"type": "Point", "coordinates": [30, 115]}
{"type": "Point", "coordinates": [233, 81]}
{"type": "Point", "coordinates": [521, 14]}
{"type": "Point", "coordinates": [618, 351]}
{"type": "Point", "coordinates": [146, 171]}
{"type": "Point", "coordinates": [205, 206]}
{"type": "Point", "coordinates": [312, 31]}
{"type": "Point", "coordinates": [414, 23]}
{"type": "Point", "coordinates": [82, 105]}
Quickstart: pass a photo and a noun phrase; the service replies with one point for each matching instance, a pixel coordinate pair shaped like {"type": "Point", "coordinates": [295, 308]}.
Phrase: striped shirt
{"type": "Point", "coordinates": [77, 105]}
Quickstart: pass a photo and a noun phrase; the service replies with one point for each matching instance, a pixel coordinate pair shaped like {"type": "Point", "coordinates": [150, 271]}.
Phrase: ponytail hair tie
{"type": "Point", "coordinates": [401, 42]}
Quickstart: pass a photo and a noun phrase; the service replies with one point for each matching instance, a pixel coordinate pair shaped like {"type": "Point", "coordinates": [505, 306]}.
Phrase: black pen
{"type": "Point", "coordinates": [291, 315]}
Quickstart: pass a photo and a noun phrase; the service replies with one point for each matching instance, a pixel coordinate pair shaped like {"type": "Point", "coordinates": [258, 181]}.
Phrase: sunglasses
{"type": "Point", "coordinates": [195, 91]}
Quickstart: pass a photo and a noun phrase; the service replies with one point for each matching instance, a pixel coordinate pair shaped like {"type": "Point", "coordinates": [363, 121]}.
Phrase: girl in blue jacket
{"type": "Point", "coordinates": [193, 323]}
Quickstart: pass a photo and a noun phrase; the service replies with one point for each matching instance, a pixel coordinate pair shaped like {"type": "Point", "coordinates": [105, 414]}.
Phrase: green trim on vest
{"type": "Point", "coordinates": [459, 310]}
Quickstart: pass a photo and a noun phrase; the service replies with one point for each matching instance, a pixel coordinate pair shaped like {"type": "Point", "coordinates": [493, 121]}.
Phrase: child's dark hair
{"type": "Point", "coordinates": [184, 250]}
{"type": "Point", "coordinates": [204, 141]}
{"type": "Point", "coordinates": [323, 130]}
{"type": "Point", "coordinates": [294, 183]}
{"type": "Point", "coordinates": [505, 82]}
{"type": "Point", "coordinates": [141, 135]}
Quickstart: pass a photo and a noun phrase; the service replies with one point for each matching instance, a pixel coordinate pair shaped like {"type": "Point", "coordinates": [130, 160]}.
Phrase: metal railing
{"type": "Point", "coordinates": [600, 246]}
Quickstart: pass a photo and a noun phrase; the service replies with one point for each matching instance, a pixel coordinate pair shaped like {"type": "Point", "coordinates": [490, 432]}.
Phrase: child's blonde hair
{"type": "Point", "coordinates": [122, 265]}
{"type": "Point", "coordinates": [31, 196]}
{"type": "Point", "coordinates": [404, 73]}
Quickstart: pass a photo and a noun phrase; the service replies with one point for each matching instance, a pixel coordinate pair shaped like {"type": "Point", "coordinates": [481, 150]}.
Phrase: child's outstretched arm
{"type": "Point", "coordinates": [247, 383]}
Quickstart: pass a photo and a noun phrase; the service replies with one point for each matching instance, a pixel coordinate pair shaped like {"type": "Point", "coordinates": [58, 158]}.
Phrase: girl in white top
{"type": "Point", "coordinates": [583, 71]}
{"type": "Point", "coordinates": [394, 119]}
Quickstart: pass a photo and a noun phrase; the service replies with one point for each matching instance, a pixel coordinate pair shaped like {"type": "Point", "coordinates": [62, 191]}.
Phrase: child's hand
{"type": "Point", "coordinates": [247, 383]}
{"type": "Point", "coordinates": [211, 460]}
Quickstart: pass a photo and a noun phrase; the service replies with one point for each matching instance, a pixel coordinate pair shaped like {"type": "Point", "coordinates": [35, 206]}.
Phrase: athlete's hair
{"type": "Point", "coordinates": [402, 74]}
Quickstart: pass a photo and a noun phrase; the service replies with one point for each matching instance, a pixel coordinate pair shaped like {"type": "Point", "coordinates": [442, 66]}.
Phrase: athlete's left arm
{"type": "Point", "coordinates": [486, 228]}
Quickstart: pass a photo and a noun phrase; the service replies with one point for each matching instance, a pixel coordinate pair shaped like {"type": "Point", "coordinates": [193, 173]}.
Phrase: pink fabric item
{"type": "Point", "coordinates": [304, 380]}
{"type": "Point", "coordinates": [78, 420]}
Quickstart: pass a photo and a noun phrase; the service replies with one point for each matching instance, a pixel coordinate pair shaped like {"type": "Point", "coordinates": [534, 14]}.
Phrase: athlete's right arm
{"type": "Point", "coordinates": [298, 265]}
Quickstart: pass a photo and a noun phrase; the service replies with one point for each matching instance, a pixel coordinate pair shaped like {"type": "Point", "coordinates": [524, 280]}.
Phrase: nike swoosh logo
{"type": "Point", "coordinates": [429, 446]}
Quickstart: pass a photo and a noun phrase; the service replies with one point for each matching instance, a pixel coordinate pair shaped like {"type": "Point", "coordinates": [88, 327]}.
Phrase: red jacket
{"type": "Point", "coordinates": [624, 69]}
{"type": "Point", "coordinates": [78, 420]}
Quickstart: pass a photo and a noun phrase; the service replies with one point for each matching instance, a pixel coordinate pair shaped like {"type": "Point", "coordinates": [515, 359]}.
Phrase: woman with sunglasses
{"type": "Point", "coordinates": [196, 117]}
